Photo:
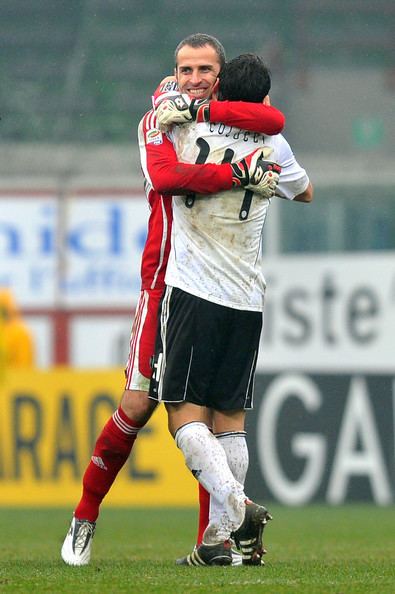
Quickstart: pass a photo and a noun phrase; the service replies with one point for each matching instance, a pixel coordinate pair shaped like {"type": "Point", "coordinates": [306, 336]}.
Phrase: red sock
{"type": "Point", "coordinates": [204, 509]}
{"type": "Point", "coordinates": [111, 451]}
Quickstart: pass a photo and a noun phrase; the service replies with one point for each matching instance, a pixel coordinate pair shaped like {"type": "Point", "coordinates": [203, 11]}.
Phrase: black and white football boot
{"type": "Point", "coordinates": [213, 554]}
{"type": "Point", "coordinates": [248, 537]}
{"type": "Point", "coordinates": [77, 546]}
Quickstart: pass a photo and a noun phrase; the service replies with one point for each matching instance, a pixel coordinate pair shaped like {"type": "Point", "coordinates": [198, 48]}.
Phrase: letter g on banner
{"type": "Point", "coordinates": [311, 447]}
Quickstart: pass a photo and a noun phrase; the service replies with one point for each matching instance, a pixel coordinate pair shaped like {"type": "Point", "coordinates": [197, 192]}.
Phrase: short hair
{"type": "Point", "coordinates": [200, 40]}
{"type": "Point", "coordinates": [245, 78]}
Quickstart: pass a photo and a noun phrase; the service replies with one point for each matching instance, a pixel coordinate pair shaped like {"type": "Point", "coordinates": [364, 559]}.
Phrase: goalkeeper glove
{"type": "Point", "coordinates": [182, 109]}
{"type": "Point", "coordinates": [167, 88]}
{"type": "Point", "coordinates": [256, 173]}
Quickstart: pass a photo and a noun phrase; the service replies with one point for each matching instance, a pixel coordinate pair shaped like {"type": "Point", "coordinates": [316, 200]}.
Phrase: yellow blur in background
{"type": "Point", "coordinates": [48, 427]}
{"type": "Point", "coordinates": [16, 342]}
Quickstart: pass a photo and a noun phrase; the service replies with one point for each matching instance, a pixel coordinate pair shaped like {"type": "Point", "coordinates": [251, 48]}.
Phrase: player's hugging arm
{"type": "Point", "coordinates": [294, 183]}
{"type": "Point", "coordinates": [306, 195]}
{"type": "Point", "coordinates": [167, 175]}
{"type": "Point", "coordinates": [255, 117]}
{"type": "Point", "coordinates": [175, 108]}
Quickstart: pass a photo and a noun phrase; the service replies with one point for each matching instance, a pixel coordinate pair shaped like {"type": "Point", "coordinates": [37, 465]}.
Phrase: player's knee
{"type": "Point", "coordinates": [137, 406]}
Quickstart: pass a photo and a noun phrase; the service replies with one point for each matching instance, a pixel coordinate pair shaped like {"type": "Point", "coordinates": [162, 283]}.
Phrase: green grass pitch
{"type": "Point", "coordinates": [311, 550]}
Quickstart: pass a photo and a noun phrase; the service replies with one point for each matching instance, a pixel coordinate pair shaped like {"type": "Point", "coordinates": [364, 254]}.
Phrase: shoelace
{"type": "Point", "coordinates": [85, 531]}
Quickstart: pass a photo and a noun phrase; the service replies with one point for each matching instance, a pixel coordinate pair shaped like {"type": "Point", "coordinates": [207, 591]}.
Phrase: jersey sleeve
{"type": "Point", "coordinates": [255, 117]}
{"type": "Point", "coordinates": [166, 175]}
{"type": "Point", "coordinates": [293, 178]}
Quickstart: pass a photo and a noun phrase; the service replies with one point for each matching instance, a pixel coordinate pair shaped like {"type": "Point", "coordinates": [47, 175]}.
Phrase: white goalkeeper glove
{"type": "Point", "coordinates": [256, 173]}
{"type": "Point", "coordinates": [168, 87]}
{"type": "Point", "coordinates": [181, 109]}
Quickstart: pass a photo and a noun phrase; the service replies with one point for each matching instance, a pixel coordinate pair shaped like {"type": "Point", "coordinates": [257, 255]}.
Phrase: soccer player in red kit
{"type": "Point", "coordinates": [199, 59]}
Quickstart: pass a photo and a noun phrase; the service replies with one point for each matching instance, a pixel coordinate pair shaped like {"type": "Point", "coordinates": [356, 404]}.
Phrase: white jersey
{"type": "Point", "coordinates": [215, 252]}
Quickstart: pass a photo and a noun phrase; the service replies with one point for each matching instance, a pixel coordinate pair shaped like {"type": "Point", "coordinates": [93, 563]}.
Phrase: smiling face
{"type": "Point", "coordinates": [197, 70]}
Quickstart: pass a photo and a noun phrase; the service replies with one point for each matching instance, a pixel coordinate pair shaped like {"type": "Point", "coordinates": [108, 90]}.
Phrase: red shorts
{"type": "Point", "coordinates": [142, 341]}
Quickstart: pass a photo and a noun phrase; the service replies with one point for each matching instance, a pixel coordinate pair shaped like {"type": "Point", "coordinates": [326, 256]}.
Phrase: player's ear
{"type": "Point", "coordinates": [266, 100]}
{"type": "Point", "coordinates": [214, 94]}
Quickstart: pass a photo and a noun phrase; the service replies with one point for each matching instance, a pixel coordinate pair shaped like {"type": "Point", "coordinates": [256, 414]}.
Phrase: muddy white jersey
{"type": "Point", "coordinates": [216, 239]}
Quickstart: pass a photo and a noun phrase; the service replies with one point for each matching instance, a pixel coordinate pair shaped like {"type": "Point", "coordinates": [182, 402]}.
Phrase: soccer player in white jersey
{"type": "Point", "coordinates": [198, 61]}
{"type": "Point", "coordinates": [211, 312]}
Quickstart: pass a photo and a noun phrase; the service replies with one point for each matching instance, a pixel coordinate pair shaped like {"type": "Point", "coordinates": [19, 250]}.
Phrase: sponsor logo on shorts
{"type": "Point", "coordinates": [154, 137]}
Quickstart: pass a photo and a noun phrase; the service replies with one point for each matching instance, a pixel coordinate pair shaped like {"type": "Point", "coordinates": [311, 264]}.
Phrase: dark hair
{"type": "Point", "coordinates": [245, 78]}
{"type": "Point", "coordinates": [200, 40]}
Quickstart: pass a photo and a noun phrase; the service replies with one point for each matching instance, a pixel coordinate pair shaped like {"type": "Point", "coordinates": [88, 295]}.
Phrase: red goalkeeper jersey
{"type": "Point", "coordinates": [165, 176]}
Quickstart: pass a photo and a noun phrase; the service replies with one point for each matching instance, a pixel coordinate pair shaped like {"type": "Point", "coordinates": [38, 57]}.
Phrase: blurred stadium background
{"type": "Point", "coordinates": [76, 77]}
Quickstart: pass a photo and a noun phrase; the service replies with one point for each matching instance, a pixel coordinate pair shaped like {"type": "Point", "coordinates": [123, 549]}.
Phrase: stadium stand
{"type": "Point", "coordinates": [83, 70]}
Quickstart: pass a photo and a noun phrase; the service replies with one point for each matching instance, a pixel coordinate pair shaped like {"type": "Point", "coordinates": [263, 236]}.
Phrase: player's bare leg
{"type": "Point", "coordinates": [137, 406]}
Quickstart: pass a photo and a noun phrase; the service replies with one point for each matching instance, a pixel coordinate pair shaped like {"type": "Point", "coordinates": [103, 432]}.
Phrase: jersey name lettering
{"type": "Point", "coordinates": [235, 133]}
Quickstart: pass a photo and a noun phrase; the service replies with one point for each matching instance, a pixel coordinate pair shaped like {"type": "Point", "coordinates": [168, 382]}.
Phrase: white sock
{"type": "Point", "coordinates": [206, 459]}
{"type": "Point", "coordinates": [236, 450]}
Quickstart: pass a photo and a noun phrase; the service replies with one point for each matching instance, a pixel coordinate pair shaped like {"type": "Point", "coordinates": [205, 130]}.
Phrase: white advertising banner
{"type": "Point", "coordinates": [82, 251]}
{"type": "Point", "coordinates": [28, 247]}
{"type": "Point", "coordinates": [322, 312]}
{"type": "Point", "coordinates": [330, 312]}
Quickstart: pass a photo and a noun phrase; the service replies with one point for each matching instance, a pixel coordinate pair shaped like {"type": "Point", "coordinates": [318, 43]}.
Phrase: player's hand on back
{"type": "Point", "coordinates": [255, 172]}
{"type": "Point", "coordinates": [265, 178]}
